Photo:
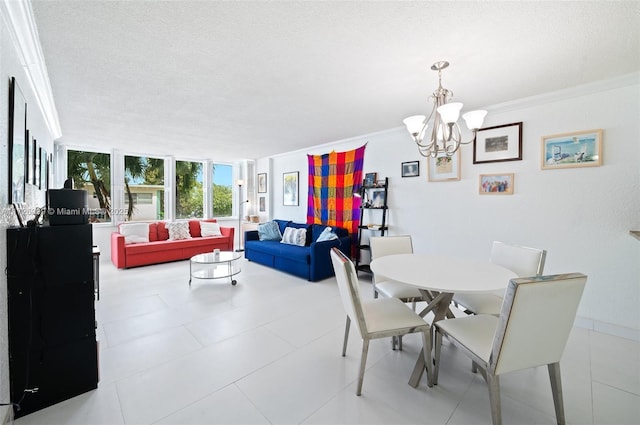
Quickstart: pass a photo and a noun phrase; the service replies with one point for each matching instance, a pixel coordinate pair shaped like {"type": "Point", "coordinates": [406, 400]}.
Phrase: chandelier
{"type": "Point", "coordinates": [445, 134]}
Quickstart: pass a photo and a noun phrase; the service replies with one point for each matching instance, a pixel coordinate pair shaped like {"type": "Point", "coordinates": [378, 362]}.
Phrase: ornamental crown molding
{"type": "Point", "coordinates": [24, 34]}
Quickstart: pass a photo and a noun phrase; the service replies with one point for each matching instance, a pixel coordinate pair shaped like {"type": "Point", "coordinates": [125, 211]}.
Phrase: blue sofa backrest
{"type": "Point", "coordinates": [313, 230]}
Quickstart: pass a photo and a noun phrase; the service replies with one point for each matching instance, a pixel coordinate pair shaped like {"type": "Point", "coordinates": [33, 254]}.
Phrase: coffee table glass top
{"type": "Point", "coordinates": [212, 266]}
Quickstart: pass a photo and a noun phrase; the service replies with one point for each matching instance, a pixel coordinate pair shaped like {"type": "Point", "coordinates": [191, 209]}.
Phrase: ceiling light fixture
{"type": "Point", "coordinates": [445, 134]}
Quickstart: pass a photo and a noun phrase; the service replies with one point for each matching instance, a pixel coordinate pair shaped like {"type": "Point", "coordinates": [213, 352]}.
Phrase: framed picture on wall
{"type": "Point", "coordinates": [411, 169]}
{"type": "Point", "coordinates": [34, 157]}
{"type": "Point", "coordinates": [261, 203]}
{"type": "Point", "coordinates": [444, 168]}
{"type": "Point", "coordinates": [262, 183]}
{"type": "Point", "coordinates": [370, 179]}
{"type": "Point", "coordinates": [17, 143]}
{"type": "Point", "coordinates": [43, 169]}
{"type": "Point", "coordinates": [496, 184]}
{"type": "Point", "coordinates": [290, 189]}
{"type": "Point", "coordinates": [569, 150]}
{"type": "Point", "coordinates": [498, 144]}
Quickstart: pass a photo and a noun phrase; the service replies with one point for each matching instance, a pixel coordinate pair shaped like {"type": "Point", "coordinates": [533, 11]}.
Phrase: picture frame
{"type": "Point", "coordinates": [262, 183]}
{"type": "Point", "coordinates": [34, 157]}
{"type": "Point", "coordinates": [496, 184]}
{"type": "Point", "coordinates": [572, 150]}
{"type": "Point", "coordinates": [36, 171]}
{"type": "Point", "coordinates": [290, 189]}
{"type": "Point", "coordinates": [17, 144]}
{"type": "Point", "coordinates": [411, 169]}
{"type": "Point", "coordinates": [378, 199]}
{"type": "Point", "coordinates": [498, 144]}
{"type": "Point", "coordinates": [43, 169]}
{"type": "Point", "coordinates": [261, 203]}
{"type": "Point", "coordinates": [370, 179]}
{"type": "Point", "coordinates": [444, 168]}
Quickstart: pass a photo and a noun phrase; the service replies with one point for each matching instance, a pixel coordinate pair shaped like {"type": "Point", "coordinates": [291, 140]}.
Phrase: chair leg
{"type": "Point", "coordinates": [474, 367]}
{"type": "Point", "coordinates": [556, 390]}
{"type": "Point", "coordinates": [493, 382]}
{"type": "Point", "coordinates": [400, 342]}
{"type": "Point", "coordinates": [436, 357]}
{"type": "Point", "coordinates": [426, 342]}
{"type": "Point", "coordinates": [363, 363]}
{"type": "Point", "coordinates": [346, 336]}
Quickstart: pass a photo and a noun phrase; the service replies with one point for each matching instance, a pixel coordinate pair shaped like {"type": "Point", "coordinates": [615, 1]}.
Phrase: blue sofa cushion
{"type": "Point", "coordinates": [275, 248]}
{"type": "Point", "coordinates": [327, 235]}
{"type": "Point", "coordinates": [269, 231]}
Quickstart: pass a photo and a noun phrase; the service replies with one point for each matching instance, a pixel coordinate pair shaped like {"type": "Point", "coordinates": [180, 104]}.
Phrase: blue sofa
{"type": "Point", "coordinates": [311, 262]}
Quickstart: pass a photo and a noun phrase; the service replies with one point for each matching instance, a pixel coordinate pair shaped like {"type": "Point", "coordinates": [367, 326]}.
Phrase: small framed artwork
{"type": "Point", "coordinates": [498, 144]}
{"type": "Point", "coordinates": [444, 168]}
{"type": "Point", "coordinates": [17, 143]}
{"type": "Point", "coordinates": [377, 199]}
{"type": "Point", "coordinates": [262, 183]}
{"type": "Point", "coordinates": [569, 150]}
{"type": "Point", "coordinates": [34, 159]}
{"type": "Point", "coordinates": [411, 169]}
{"type": "Point", "coordinates": [290, 189]}
{"type": "Point", "coordinates": [496, 184]}
{"type": "Point", "coordinates": [38, 165]}
{"type": "Point", "coordinates": [261, 203]}
{"type": "Point", "coordinates": [43, 169]}
{"type": "Point", "coordinates": [370, 179]}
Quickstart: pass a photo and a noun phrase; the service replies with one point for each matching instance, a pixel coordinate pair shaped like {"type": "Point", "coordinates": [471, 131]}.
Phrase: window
{"type": "Point", "coordinates": [144, 188]}
{"type": "Point", "coordinates": [91, 171]}
{"type": "Point", "coordinates": [221, 190]}
{"type": "Point", "coordinates": [189, 200]}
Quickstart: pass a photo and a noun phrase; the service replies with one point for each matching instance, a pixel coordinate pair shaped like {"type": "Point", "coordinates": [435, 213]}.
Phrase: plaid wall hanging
{"type": "Point", "coordinates": [333, 178]}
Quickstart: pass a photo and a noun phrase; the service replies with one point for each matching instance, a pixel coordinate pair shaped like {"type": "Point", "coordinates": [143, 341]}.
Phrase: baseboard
{"type": "Point", "coordinates": [608, 328]}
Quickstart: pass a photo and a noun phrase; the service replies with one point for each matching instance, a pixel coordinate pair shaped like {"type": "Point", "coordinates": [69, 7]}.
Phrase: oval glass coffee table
{"type": "Point", "coordinates": [207, 266]}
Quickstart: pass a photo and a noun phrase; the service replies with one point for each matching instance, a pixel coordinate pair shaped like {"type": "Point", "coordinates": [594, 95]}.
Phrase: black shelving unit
{"type": "Point", "coordinates": [51, 315]}
{"type": "Point", "coordinates": [373, 221]}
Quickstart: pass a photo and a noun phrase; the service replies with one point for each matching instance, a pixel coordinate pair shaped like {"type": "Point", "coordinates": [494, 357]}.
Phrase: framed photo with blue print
{"type": "Point", "coordinates": [290, 189]}
{"type": "Point", "coordinates": [570, 150]}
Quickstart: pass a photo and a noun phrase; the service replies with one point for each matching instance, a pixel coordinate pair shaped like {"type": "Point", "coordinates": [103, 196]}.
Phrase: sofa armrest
{"type": "Point", "coordinates": [118, 255]}
{"type": "Point", "coordinates": [321, 266]}
{"type": "Point", "coordinates": [251, 235]}
{"type": "Point", "coordinates": [228, 232]}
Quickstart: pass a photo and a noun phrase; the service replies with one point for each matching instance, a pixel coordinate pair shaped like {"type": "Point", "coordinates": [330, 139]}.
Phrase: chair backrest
{"type": "Point", "coordinates": [382, 246]}
{"type": "Point", "coordinates": [521, 260]}
{"type": "Point", "coordinates": [349, 289]}
{"type": "Point", "coordinates": [536, 319]}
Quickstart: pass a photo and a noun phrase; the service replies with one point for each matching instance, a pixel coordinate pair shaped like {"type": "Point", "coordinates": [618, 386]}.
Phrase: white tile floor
{"type": "Point", "coordinates": [267, 351]}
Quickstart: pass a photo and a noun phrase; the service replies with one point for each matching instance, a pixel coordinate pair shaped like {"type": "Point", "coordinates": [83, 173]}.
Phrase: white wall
{"type": "Point", "coordinates": [11, 65]}
{"type": "Point", "coordinates": [581, 216]}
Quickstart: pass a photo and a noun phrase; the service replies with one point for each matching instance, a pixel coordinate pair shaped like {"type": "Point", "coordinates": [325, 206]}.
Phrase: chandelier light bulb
{"type": "Point", "coordinates": [474, 119]}
{"type": "Point", "coordinates": [450, 112]}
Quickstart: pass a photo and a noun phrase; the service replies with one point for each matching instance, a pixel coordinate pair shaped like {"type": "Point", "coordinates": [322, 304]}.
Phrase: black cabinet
{"type": "Point", "coordinates": [52, 339]}
{"type": "Point", "coordinates": [373, 221]}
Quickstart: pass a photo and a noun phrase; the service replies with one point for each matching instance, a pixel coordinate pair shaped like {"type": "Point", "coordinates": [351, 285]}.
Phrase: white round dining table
{"type": "Point", "coordinates": [443, 273]}
{"type": "Point", "coordinates": [438, 277]}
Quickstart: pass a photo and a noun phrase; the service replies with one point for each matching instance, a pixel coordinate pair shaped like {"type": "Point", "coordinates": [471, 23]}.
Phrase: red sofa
{"type": "Point", "coordinates": [160, 249]}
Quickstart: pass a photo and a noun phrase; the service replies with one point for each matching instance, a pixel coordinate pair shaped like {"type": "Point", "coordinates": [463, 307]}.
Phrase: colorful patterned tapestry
{"type": "Point", "coordinates": [333, 178]}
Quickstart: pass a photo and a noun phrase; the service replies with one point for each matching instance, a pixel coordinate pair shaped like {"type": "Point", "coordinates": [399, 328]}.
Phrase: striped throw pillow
{"type": "Point", "coordinates": [294, 236]}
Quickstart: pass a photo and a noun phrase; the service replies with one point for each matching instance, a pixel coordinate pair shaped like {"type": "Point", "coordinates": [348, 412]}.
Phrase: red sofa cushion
{"type": "Point", "coordinates": [153, 232]}
{"type": "Point", "coordinates": [163, 233]}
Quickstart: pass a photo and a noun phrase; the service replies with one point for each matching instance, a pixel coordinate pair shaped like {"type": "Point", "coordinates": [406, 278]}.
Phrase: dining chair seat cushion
{"type": "Point", "coordinates": [480, 303]}
{"type": "Point", "coordinates": [394, 289]}
{"type": "Point", "coordinates": [477, 332]}
{"type": "Point", "coordinates": [383, 314]}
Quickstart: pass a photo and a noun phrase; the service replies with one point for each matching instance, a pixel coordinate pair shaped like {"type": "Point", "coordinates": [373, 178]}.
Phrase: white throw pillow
{"type": "Point", "coordinates": [178, 230]}
{"type": "Point", "coordinates": [294, 236]}
{"type": "Point", "coordinates": [210, 229]}
{"type": "Point", "coordinates": [135, 232]}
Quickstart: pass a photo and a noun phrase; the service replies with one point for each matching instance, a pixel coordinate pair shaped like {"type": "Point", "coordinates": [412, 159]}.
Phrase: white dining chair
{"type": "Point", "coordinates": [532, 330]}
{"type": "Point", "coordinates": [376, 318]}
{"type": "Point", "coordinates": [521, 260]}
{"type": "Point", "coordinates": [382, 246]}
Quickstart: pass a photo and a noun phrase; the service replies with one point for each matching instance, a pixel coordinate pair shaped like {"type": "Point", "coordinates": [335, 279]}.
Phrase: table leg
{"type": "Point", "coordinates": [440, 305]}
{"type": "Point", "coordinates": [190, 273]}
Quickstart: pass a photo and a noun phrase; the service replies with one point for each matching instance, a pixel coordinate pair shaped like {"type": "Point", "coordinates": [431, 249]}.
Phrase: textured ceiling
{"type": "Point", "coordinates": [230, 80]}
